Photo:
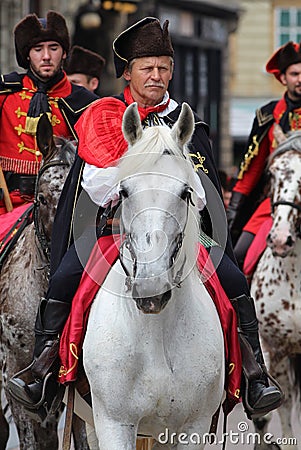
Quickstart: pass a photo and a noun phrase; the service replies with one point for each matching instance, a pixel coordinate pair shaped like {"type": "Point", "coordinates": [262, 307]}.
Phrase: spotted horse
{"type": "Point", "coordinates": [23, 280]}
{"type": "Point", "coordinates": [276, 284]}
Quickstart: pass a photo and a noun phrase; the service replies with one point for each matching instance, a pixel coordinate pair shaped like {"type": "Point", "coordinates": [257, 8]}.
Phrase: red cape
{"type": "Point", "coordinates": [104, 254]}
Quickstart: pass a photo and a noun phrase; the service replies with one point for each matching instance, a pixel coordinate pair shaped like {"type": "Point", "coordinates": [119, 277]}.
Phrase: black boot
{"type": "Point", "coordinates": [42, 396]}
{"type": "Point", "coordinates": [258, 397]}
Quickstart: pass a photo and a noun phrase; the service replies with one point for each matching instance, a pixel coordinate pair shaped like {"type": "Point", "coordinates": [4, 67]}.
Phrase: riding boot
{"type": "Point", "coordinates": [43, 394]}
{"type": "Point", "coordinates": [258, 397]}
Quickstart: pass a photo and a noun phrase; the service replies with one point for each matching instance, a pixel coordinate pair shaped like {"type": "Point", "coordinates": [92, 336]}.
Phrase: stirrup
{"type": "Point", "coordinates": [255, 413]}
{"type": "Point", "coordinates": [16, 389]}
{"type": "Point", "coordinates": [45, 407]}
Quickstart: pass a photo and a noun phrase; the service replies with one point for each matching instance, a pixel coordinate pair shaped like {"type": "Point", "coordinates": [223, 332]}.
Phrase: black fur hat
{"type": "Point", "coordinates": [144, 38]}
{"type": "Point", "coordinates": [284, 57]}
{"type": "Point", "coordinates": [31, 30]}
{"type": "Point", "coordinates": [82, 60]}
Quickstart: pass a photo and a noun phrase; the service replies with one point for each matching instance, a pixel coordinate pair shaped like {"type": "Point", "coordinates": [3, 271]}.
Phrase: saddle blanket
{"type": "Point", "coordinates": [103, 256]}
{"type": "Point", "coordinates": [256, 249]}
{"type": "Point", "coordinates": [8, 219]}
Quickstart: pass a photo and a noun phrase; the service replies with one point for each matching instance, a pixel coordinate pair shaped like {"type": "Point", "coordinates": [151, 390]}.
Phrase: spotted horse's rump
{"type": "Point", "coordinates": [276, 282]}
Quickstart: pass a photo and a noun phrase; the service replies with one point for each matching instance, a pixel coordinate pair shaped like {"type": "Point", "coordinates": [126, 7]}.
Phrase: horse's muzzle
{"type": "Point", "coordinates": [152, 305]}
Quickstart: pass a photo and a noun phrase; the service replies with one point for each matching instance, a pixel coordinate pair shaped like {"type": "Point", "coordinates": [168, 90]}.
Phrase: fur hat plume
{"type": "Point", "coordinates": [144, 38]}
{"type": "Point", "coordinates": [82, 60]}
{"type": "Point", "coordinates": [284, 57]}
{"type": "Point", "coordinates": [31, 30]}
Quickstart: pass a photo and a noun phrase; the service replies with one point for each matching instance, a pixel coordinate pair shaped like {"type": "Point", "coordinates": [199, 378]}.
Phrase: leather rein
{"type": "Point", "coordinates": [44, 241]}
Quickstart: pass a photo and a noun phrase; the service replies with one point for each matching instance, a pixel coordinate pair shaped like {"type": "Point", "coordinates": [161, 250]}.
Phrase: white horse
{"type": "Point", "coordinates": [276, 282]}
{"type": "Point", "coordinates": [153, 350]}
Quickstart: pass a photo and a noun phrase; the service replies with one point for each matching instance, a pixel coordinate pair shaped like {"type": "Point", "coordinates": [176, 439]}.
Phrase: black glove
{"type": "Point", "coordinates": [234, 214]}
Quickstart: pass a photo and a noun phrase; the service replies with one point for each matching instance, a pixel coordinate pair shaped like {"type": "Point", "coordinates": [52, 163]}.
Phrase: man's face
{"type": "Point", "coordinates": [292, 80]}
{"type": "Point", "coordinates": [149, 78]}
{"type": "Point", "coordinates": [46, 59]}
{"type": "Point", "coordinates": [90, 83]}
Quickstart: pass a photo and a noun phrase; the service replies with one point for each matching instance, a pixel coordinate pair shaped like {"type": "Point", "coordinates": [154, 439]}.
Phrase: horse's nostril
{"type": "Point", "coordinates": [289, 241]}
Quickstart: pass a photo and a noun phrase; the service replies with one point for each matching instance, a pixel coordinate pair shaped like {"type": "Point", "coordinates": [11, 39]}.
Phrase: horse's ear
{"type": "Point", "coordinates": [184, 126]}
{"type": "Point", "coordinates": [131, 124]}
{"type": "Point", "coordinates": [44, 135]}
{"type": "Point", "coordinates": [279, 134]}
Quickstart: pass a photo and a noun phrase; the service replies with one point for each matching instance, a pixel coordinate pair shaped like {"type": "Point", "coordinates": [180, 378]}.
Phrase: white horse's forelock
{"type": "Point", "coordinates": [146, 152]}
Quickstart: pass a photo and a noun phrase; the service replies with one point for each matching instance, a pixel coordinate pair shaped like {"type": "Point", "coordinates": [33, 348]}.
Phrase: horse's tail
{"type": "Point", "coordinates": [295, 366]}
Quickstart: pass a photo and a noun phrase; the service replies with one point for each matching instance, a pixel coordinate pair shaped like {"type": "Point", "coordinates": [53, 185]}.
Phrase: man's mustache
{"type": "Point", "coordinates": [159, 85]}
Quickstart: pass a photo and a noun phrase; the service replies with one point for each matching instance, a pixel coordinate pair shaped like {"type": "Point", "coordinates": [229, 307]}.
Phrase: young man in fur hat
{"type": "Point", "coordinates": [245, 222]}
{"type": "Point", "coordinates": [84, 67]}
{"type": "Point", "coordinates": [41, 47]}
{"type": "Point", "coordinates": [144, 57]}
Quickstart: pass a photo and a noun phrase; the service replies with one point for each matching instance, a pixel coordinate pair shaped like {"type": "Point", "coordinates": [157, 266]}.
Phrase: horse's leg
{"type": "Point", "coordinates": [285, 410]}
{"type": "Point", "coordinates": [4, 427]}
{"type": "Point", "coordinates": [31, 434]}
{"type": "Point", "coordinates": [113, 435]}
{"type": "Point", "coordinates": [261, 428]}
{"type": "Point", "coordinates": [281, 372]}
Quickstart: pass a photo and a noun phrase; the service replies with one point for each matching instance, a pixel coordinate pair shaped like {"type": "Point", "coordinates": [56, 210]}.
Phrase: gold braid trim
{"type": "Point", "coordinates": [251, 152]}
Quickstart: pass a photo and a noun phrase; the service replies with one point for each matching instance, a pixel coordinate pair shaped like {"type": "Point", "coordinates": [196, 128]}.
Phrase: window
{"type": "Point", "coordinates": [288, 25]}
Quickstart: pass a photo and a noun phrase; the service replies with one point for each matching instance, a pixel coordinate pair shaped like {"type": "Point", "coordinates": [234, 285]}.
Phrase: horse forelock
{"type": "Point", "coordinates": [64, 150]}
{"type": "Point", "coordinates": [141, 156]}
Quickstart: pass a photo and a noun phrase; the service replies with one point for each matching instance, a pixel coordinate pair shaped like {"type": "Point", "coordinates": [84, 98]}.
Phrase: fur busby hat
{"type": "Point", "coordinates": [144, 38]}
{"type": "Point", "coordinates": [284, 57]}
{"type": "Point", "coordinates": [31, 30]}
{"type": "Point", "coordinates": [82, 60]}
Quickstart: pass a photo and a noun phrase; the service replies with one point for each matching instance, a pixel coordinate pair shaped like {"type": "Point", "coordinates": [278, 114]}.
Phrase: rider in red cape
{"type": "Point", "coordinates": [144, 57]}
{"type": "Point", "coordinates": [249, 206]}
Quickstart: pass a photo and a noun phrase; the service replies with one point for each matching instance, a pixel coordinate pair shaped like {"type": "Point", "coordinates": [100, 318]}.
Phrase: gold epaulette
{"type": "Point", "coordinates": [264, 118]}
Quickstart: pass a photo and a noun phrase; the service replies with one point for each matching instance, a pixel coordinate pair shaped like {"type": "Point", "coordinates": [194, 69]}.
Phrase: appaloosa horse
{"type": "Point", "coordinates": [153, 350]}
{"type": "Point", "coordinates": [23, 280]}
{"type": "Point", "coordinates": [276, 282]}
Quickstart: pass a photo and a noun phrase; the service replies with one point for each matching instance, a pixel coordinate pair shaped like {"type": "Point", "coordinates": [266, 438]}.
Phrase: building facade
{"type": "Point", "coordinates": [264, 25]}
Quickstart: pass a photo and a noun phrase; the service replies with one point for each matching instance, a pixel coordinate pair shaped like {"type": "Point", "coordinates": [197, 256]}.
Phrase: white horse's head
{"type": "Point", "coordinates": [159, 222]}
{"type": "Point", "coordinates": [285, 191]}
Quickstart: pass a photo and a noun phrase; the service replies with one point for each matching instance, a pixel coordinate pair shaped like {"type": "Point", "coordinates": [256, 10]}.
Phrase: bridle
{"type": "Point", "coordinates": [292, 205]}
{"type": "Point", "coordinates": [38, 226]}
{"type": "Point", "coordinates": [126, 243]}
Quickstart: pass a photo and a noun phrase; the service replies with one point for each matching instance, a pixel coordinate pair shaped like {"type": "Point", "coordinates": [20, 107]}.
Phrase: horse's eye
{"type": "Point", "coordinates": [186, 194]}
{"type": "Point", "coordinates": [123, 193]}
{"type": "Point", "coordinates": [42, 199]}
